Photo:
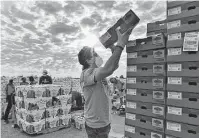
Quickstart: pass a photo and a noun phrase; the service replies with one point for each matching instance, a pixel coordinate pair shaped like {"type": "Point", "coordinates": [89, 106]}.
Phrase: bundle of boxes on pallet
{"type": "Point", "coordinates": [182, 115]}
{"type": "Point", "coordinates": [163, 77]}
{"type": "Point", "coordinates": [41, 108]}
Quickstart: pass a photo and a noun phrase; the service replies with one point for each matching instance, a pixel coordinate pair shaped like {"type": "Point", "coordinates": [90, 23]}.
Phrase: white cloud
{"type": "Point", "coordinates": [35, 33]}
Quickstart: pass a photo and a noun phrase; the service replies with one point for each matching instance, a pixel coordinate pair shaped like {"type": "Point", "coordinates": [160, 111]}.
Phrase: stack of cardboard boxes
{"type": "Point", "coordinates": [41, 108]}
{"type": "Point", "coordinates": [182, 115]}
{"type": "Point", "coordinates": [145, 102]}
{"type": "Point", "coordinates": [163, 77]}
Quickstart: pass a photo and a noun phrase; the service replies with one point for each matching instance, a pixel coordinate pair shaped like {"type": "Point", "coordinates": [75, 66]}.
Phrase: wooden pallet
{"type": "Point", "coordinates": [49, 130]}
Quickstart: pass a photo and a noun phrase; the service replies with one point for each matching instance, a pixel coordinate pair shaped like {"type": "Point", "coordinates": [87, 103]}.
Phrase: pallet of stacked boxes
{"type": "Point", "coordinates": [145, 109]}
{"type": "Point", "coordinates": [182, 115]}
{"type": "Point", "coordinates": [42, 108]}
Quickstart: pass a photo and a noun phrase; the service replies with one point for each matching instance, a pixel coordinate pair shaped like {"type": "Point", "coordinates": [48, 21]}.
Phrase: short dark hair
{"type": "Point", "coordinates": [84, 55]}
{"type": "Point", "coordinates": [11, 81]}
{"type": "Point", "coordinates": [31, 78]}
{"type": "Point", "coordinates": [23, 79]}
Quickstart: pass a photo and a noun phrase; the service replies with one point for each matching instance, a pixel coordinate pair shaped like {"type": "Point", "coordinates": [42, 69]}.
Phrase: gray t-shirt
{"type": "Point", "coordinates": [97, 103]}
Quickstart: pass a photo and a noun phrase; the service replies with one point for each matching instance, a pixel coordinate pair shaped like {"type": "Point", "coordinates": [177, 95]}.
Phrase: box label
{"type": "Point", "coordinates": [158, 54]}
{"type": "Point", "coordinates": [174, 110]}
{"type": "Point", "coordinates": [174, 126]}
{"type": "Point", "coordinates": [155, 135]}
{"type": "Point", "coordinates": [174, 51]}
{"type": "Point", "coordinates": [158, 110]}
{"type": "Point", "coordinates": [174, 24]}
{"type": "Point", "coordinates": [158, 68]}
{"type": "Point", "coordinates": [132, 55]}
{"type": "Point", "coordinates": [174, 67]}
{"type": "Point", "coordinates": [131, 105]}
{"type": "Point", "coordinates": [175, 36]}
{"type": "Point", "coordinates": [130, 129]}
{"type": "Point", "coordinates": [131, 43]}
{"type": "Point", "coordinates": [132, 68]}
{"type": "Point", "coordinates": [175, 95]}
{"type": "Point", "coordinates": [158, 95]}
{"type": "Point", "coordinates": [157, 122]}
{"type": "Point", "coordinates": [132, 91]}
{"type": "Point", "coordinates": [175, 80]}
{"type": "Point", "coordinates": [191, 41]}
{"type": "Point", "coordinates": [174, 11]}
{"type": "Point", "coordinates": [105, 37]}
{"type": "Point", "coordinates": [158, 82]}
{"type": "Point", "coordinates": [157, 39]}
{"type": "Point", "coordinates": [131, 80]}
{"type": "Point", "coordinates": [131, 116]}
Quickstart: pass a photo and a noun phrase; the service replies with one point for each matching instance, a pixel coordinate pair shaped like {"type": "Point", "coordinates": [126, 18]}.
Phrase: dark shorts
{"type": "Point", "coordinates": [102, 132]}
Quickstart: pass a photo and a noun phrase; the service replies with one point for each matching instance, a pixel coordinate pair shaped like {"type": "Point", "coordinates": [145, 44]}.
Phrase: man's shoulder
{"type": "Point", "coordinates": [48, 76]}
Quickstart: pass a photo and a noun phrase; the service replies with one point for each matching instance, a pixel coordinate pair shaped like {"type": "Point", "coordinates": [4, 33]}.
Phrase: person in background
{"type": "Point", "coordinates": [119, 88]}
{"type": "Point", "coordinates": [45, 78]}
{"type": "Point", "coordinates": [24, 81]}
{"type": "Point", "coordinates": [97, 107]}
{"type": "Point", "coordinates": [32, 80]}
{"type": "Point", "coordinates": [77, 101]}
{"type": "Point", "coordinates": [10, 93]}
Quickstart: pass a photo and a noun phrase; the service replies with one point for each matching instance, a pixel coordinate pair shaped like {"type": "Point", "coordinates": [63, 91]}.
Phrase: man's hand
{"type": "Point", "coordinates": [112, 48]}
{"type": "Point", "coordinates": [123, 38]}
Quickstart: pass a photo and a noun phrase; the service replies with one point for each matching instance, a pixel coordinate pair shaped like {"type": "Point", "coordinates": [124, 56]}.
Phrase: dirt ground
{"type": "Point", "coordinates": [117, 131]}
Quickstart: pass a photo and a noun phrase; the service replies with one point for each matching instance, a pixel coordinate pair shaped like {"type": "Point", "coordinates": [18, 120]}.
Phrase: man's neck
{"type": "Point", "coordinates": [93, 66]}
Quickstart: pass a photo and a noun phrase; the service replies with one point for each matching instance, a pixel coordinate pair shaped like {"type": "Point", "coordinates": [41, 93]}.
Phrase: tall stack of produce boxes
{"type": "Point", "coordinates": [182, 115]}
{"type": "Point", "coordinates": [163, 76]}
{"type": "Point", "coordinates": [145, 100]}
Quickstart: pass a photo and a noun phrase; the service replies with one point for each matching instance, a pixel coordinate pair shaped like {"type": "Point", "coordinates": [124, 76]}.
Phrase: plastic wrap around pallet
{"type": "Point", "coordinates": [42, 108]}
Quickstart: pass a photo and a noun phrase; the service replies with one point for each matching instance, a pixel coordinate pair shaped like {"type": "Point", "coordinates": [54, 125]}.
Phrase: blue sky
{"type": "Point", "coordinates": [37, 35]}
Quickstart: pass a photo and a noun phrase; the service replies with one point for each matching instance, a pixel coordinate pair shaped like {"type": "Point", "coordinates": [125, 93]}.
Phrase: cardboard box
{"type": "Point", "coordinates": [32, 104]}
{"type": "Point", "coordinates": [137, 132]}
{"type": "Point", "coordinates": [145, 95]}
{"type": "Point", "coordinates": [183, 25]}
{"type": "Point", "coordinates": [146, 122]}
{"type": "Point", "coordinates": [152, 42]}
{"type": "Point", "coordinates": [148, 109]}
{"type": "Point", "coordinates": [157, 28]}
{"type": "Point", "coordinates": [177, 39]}
{"type": "Point", "coordinates": [146, 69]}
{"type": "Point", "coordinates": [183, 99]}
{"type": "Point", "coordinates": [182, 114]}
{"type": "Point", "coordinates": [155, 83]}
{"type": "Point", "coordinates": [149, 56]}
{"type": "Point", "coordinates": [182, 11]}
{"type": "Point", "coordinates": [34, 116]}
{"type": "Point", "coordinates": [172, 3]}
{"type": "Point", "coordinates": [177, 55]}
{"type": "Point", "coordinates": [181, 130]}
{"type": "Point", "coordinates": [186, 84]}
{"type": "Point", "coordinates": [189, 69]}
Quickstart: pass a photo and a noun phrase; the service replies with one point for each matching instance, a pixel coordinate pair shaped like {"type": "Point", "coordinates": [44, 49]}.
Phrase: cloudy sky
{"type": "Point", "coordinates": [37, 35]}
